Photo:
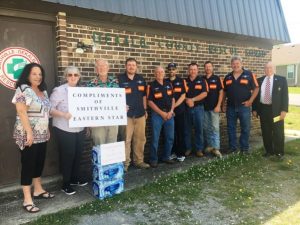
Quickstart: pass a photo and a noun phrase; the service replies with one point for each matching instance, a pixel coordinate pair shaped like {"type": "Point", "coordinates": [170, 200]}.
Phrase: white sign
{"type": "Point", "coordinates": [112, 153]}
{"type": "Point", "coordinates": [95, 106]}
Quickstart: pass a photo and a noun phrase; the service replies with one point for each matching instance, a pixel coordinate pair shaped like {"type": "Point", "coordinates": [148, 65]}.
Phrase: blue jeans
{"type": "Point", "coordinates": [244, 115]}
{"type": "Point", "coordinates": [211, 128]}
{"type": "Point", "coordinates": [194, 117]}
{"type": "Point", "coordinates": [157, 123]}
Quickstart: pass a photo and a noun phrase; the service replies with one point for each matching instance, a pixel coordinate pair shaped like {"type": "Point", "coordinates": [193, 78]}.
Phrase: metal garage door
{"type": "Point", "coordinates": [21, 36]}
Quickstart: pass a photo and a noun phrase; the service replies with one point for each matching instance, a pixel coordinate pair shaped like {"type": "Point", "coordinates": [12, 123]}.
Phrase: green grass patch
{"type": "Point", "coordinates": [246, 186]}
{"type": "Point", "coordinates": [294, 90]}
{"type": "Point", "coordinates": [292, 120]}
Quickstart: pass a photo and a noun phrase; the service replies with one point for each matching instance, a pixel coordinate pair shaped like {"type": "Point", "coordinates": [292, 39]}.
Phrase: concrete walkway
{"type": "Point", "coordinates": [11, 212]}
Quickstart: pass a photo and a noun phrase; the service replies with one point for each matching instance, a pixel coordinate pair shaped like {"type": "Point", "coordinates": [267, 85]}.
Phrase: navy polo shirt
{"type": "Point", "coordinates": [215, 85]}
{"type": "Point", "coordinates": [179, 88]}
{"type": "Point", "coordinates": [161, 95]}
{"type": "Point", "coordinates": [135, 90]}
{"type": "Point", "coordinates": [239, 90]}
{"type": "Point", "coordinates": [195, 88]}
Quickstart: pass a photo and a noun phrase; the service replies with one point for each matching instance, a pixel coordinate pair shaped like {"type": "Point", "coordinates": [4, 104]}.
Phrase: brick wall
{"type": "Point", "coordinates": [158, 50]}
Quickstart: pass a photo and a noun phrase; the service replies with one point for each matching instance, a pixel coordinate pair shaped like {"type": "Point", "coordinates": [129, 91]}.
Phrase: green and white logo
{"type": "Point", "coordinates": [12, 62]}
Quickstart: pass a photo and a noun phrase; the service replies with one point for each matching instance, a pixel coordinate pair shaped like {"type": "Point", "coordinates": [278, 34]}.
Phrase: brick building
{"type": "Point", "coordinates": [62, 33]}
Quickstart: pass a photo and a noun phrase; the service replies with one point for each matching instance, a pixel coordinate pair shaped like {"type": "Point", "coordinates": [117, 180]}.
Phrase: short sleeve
{"type": "Point", "coordinates": [23, 94]}
{"type": "Point", "coordinates": [55, 98]}
{"type": "Point", "coordinates": [150, 93]}
{"type": "Point", "coordinates": [254, 83]}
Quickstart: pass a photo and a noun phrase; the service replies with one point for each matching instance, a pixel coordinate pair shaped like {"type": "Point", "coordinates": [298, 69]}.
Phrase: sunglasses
{"type": "Point", "coordinates": [71, 75]}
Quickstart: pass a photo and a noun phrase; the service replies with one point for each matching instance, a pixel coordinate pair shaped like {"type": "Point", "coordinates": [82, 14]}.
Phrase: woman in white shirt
{"type": "Point", "coordinates": [70, 140]}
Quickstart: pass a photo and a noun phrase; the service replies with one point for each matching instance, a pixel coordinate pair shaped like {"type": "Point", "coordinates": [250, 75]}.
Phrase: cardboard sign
{"type": "Point", "coordinates": [95, 106]}
{"type": "Point", "coordinates": [112, 153]}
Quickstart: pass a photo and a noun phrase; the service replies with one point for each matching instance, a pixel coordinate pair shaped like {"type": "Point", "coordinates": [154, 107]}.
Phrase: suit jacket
{"type": "Point", "coordinates": [280, 97]}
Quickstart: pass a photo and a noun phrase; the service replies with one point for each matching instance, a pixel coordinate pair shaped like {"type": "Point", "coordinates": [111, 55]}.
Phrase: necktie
{"type": "Point", "coordinates": [267, 97]}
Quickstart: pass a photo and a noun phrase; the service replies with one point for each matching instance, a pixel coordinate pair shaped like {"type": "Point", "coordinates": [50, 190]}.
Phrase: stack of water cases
{"type": "Point", "coordinates": [107, 179]}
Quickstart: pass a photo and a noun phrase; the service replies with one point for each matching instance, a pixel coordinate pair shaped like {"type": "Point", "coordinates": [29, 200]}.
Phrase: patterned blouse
{"type": "Point", "coordinates": [96, 82]}
{"type": "Point", "coordinates": [38, 114]}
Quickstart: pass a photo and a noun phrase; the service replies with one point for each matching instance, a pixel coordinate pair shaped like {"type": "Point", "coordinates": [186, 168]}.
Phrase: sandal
{"type": "Point", "coordinates": [44, 195]}
{"type": "Point", "coordinates": [30, 210]}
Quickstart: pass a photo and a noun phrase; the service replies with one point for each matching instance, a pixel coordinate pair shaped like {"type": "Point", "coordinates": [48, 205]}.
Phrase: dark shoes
{"type": "Point", "coordinates": [168, 161]}
{"type": "Point", "coordinates": [153, 164]}
{"type": "Point", "coordinates": [68, 190]}
{"type": "Point", "coordinates": [79, 183]}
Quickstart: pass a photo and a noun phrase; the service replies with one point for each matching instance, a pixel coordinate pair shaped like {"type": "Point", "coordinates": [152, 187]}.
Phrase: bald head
{"type": "Point", "coordinates": [269, 69]}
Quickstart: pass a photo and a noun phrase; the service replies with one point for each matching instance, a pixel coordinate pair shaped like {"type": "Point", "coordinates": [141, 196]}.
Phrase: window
{"type": "Point", "coordinates": [291, 72]}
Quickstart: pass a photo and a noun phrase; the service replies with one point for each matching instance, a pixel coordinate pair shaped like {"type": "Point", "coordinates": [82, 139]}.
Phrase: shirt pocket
{"type": "Point", "coordinates": [128, 90]}
{"type": "Point", "coordinates": [228, 82]}
{"type": "Point", "coordinates": [177, 89]}
{"type": "Point", "coordinates": [158, 95]}
{"type": "Point", "coordinates": [244, 81]}
{"type": "Point", "coordinates": [141, 87]}
{"type": "Point", "coordinates": [198, 87]}
{"type": "Point", "coordinates": [212, 86]}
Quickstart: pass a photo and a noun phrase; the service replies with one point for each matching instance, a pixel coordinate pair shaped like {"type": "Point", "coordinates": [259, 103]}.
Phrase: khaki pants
{"type": "Point", "coordinates": [104, 135]}
{"type": "Point", "coordinates": [135, 134]}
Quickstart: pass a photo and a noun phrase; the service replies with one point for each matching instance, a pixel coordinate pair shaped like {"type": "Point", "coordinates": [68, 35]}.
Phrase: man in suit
{"type": "Point", "coordinates": [271, 105]}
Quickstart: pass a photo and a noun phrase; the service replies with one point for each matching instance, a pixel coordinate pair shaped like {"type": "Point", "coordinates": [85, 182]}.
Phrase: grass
{"type": "Point", "coordinates": [238, 189]}
{"type": "Point", "coordinates": [292, 120]}
{"type": "Point", "coordinates": [294, 90]}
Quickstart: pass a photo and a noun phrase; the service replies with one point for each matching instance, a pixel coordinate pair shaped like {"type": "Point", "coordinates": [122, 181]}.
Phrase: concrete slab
{"type": "Point", "coordinates": [11, 212]}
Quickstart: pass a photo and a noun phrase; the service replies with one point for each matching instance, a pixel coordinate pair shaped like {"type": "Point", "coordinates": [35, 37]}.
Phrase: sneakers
{"type": "Point", "coordinates": [180, 158]}
{"type": "Point", "coordinates": [216, 153]}
{"type": "Point", "coordinates": [68, 190]}
{"type": "Point", "coordinates": [142, 165]}
{"type": "Point", "coordinates": [79, 183]}
{"type": "Point", "coordinates": [173, 156]}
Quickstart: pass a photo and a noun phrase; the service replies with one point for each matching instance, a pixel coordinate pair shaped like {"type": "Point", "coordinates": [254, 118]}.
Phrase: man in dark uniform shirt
{"type": "Point", "coordinates": [135, 89]}
{"type": "Point", "coordinates": [196, 92]}
{"type": "Point", "coordinates": [179, 90]}
{"type": "Point", "coordinates": [212, 108]}
{"type": "Point", "coordinates": [161, 101]}
{"type": "Point", "coordinates": [240, 89]}
{"type": "Point", "coordinates": [271, 105]}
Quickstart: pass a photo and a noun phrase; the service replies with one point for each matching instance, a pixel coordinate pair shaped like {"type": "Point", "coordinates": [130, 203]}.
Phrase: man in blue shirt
{"type": "Point", "coordinates": [135, 89]}
{"type": "Point", "coordinates": [196, 92]}
{"type": "Point", "coordinates": [240, 89]}
{"type": "Point", "coordinates": [212, 108]}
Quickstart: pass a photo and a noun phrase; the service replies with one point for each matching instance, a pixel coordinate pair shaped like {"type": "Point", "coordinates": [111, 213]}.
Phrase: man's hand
{"type": "Point", "coordinates": [223, 108]}
{"type": "Point", "coordinates": [247, 103]}
{"type": "Point", "coordinates": [217, 109]}
{"type": "Point", "coordinates": [282, 115]}
{"type": "Point", "coordinates": [146, 115]}
{"type": "Point", "coordinates": [189, 102]}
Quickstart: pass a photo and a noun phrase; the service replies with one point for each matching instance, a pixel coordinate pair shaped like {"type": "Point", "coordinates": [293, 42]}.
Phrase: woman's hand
{"type": "Point", "coordinates": [67, 115]}
{"type": "Point", "coordinates": [29, 139]}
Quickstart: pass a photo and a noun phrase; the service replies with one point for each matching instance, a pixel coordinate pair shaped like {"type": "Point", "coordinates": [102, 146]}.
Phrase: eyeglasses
{"type": "Point", "coordinates": [71, 75]}
{"type": "Point", "coordinates": [172, 69]}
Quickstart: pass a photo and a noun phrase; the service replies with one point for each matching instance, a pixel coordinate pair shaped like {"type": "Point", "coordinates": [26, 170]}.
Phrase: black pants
{"type": "Point", "coordinates": [272, 133]}
{"type": "Point", "coordinates": [70, 147]}
{"type": "Point", "coordinates": [32, 160]}
{"type": "Point", "coordinates": [179, 140]}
